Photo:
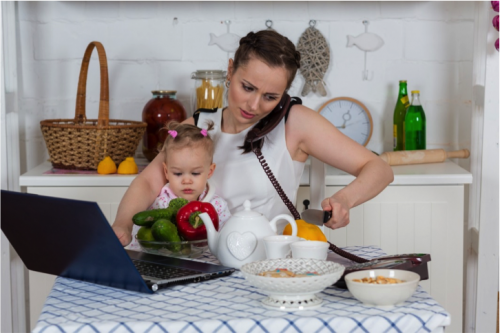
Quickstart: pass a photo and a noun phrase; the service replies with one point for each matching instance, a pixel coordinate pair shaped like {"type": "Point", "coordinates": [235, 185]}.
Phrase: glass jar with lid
{"type": "Point", "coordinates": [161, 109]}
{"type": "Point", "coordinates": [209, 89]}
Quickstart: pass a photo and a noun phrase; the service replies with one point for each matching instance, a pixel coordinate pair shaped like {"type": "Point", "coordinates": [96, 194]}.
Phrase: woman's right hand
{"type": "Point", "coordinates": [124, 235]}
{"type": "Point", "coordinates": [339, 207]}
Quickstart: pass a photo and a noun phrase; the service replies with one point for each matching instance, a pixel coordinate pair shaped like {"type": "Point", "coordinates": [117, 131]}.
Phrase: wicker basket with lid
{"type": "Point", "coordinates": [81, 143]}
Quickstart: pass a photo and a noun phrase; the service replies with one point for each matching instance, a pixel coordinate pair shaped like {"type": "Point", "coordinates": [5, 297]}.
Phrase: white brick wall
{"type": "Point", "coordinates": [427, 43]}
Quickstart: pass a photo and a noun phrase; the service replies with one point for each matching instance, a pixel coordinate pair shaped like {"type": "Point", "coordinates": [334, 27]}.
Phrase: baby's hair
{"type": "Point", "coordinates": [188, 136]}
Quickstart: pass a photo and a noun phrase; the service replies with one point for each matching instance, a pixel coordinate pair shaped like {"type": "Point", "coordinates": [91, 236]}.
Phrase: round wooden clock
{"type": "Point", "coordinates": [350, 116]}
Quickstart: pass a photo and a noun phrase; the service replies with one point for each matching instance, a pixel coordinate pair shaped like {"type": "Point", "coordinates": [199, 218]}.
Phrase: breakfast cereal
{"type": "Point", "coordinates": [379, 280]}
{"type": "Point", "coordinates": [285, 273]}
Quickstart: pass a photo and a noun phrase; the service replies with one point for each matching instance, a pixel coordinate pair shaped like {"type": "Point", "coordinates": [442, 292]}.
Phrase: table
{"type": "Point", "coordinates": [228, 304]}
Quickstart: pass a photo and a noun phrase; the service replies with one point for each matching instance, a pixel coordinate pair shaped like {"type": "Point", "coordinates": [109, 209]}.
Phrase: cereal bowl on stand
{"type": "Point", "coordinates": [297, 285]}
{"type": "Point", "coordinates": [382, 287]}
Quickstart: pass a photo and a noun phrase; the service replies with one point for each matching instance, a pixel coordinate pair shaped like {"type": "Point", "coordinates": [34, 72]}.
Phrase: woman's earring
{"type": "Point", "coordinates": [227, 83]}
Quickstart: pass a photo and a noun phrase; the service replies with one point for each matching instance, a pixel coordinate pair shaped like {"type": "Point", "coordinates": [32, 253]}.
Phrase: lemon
{"type": "Point", "coordinates": [106, 166]}
{"type": "Point", "coordinates": [128, 167]}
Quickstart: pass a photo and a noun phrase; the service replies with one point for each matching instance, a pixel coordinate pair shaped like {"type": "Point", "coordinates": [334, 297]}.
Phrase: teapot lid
{"type": "Point", "coordinates": [247, 212]}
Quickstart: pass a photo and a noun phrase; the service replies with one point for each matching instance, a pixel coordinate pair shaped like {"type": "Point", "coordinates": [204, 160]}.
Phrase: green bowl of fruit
{"type": "Point", "coordinates": [175, 231]}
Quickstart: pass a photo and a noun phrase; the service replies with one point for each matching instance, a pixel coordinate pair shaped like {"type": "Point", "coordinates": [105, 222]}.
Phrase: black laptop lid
{"type": "Point", "coordinates": [69, 238]}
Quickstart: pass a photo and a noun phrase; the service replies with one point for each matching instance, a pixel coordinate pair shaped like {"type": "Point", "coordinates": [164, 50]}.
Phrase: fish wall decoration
{"type": "Point", "coordinates": [314, 59]}
{"type": "Point", "coordinates": [228, 42]}
{"type": "Point", "coordinates": [367, 42]}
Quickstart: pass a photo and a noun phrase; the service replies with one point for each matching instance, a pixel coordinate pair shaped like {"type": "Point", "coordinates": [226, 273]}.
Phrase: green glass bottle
{"type": "Point", "coordinates": [399, 116]}
{"type": "Point", "coordinates": [415, 124]}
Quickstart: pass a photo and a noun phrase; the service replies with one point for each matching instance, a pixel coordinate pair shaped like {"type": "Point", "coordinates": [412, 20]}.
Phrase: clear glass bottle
{"type": "Point", "coordinates": [209, 89]}
{"type": "Point", "coordinates": [415, 132]}
{"type": "Point", "coordinates": [399, 116]}
{"type": "Point", "coordinates": [159, 111]}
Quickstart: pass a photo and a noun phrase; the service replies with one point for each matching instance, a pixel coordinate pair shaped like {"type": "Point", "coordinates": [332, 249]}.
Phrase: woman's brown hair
{"type": "Point", "coordinates": [276, 51]}
{"type": "Point", "coordinates": [188, 136]}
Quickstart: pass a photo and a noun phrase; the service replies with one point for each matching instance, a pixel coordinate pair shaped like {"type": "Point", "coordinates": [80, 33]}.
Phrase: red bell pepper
{"type": "Point", "coordinates": [190, 225]}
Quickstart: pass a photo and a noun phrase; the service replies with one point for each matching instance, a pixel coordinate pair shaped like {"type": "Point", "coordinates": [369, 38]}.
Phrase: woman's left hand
{"type": "Point", "coordinates": [340, 211]}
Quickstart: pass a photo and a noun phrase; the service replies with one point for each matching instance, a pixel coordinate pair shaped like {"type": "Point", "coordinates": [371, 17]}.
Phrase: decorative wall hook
{"type": "Point", "coordinates": [367, 42]}
{"type": "Point", "coordinates": [269, 24]}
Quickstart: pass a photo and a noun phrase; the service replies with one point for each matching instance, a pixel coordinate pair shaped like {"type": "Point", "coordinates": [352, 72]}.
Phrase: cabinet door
{"type": "Point", "coordinates": [406, 219]}
{"type": "Point", "coordinates": [303, 193]}
{"type": "Point", "coordinates": [108, 199]}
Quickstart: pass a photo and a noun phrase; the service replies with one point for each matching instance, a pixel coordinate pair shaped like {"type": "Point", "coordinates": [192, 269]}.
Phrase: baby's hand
{"type": "Point", "coordinates": [124, 236]}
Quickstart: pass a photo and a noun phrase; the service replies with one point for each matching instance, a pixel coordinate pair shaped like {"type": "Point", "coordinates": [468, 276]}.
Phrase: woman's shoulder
{"type": "Point", "coordinates": [204, 114]}
{"type": "Point", "coordinates": [189, 121]}
{"type": "Point", "coordinates": [304, 125]}
{"type": "Point", "coordinates": [299, 112]}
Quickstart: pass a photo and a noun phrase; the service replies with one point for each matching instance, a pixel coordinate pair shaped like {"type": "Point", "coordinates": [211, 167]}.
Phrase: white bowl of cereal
{"type": "Point", "coordinates": [292, 284]}
{"type": "Point", "coordinates": [382, 287]}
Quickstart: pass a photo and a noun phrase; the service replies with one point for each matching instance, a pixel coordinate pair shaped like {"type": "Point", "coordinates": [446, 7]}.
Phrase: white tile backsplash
{"type": "Point", "coordinates": [438, 41]}
{"type": "Point", "coordinates": [154, 39]}
{"type": "Point", "coordinates": [430, 44]}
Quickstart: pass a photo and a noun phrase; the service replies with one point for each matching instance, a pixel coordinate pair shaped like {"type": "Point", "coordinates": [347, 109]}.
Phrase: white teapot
{"type": "Point", "coordinates": [241, 239]}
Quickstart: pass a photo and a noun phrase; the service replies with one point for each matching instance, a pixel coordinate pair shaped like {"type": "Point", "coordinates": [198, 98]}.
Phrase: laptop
{"type": "Point", "coordinates": [73, 239]}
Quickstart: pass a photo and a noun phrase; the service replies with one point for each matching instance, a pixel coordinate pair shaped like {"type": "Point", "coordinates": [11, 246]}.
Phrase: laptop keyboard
{"type": "Point", "coordinates": [162, 272]}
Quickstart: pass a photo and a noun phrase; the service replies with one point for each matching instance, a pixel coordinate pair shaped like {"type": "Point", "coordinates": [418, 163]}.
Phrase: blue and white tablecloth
{"type": "Point", "coordinates": [228, 304]}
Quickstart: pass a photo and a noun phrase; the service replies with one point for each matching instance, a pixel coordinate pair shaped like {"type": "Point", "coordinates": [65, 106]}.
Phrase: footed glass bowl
{"type": "Point", "coordinates": [183, 249]}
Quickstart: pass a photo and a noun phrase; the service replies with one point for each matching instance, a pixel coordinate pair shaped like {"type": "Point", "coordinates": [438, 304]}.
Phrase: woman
{"type": "Point", "coordinates": [261, 114]}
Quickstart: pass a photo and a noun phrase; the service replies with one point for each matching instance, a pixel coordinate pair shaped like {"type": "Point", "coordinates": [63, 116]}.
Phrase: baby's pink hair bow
{"type": "Point", "coordinates": [204, 132]}
{"type": "Point", "coordinates": [172, 133]}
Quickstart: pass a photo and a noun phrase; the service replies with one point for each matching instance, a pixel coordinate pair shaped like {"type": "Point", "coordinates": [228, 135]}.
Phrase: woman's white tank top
{"type": "Point", "coordinates": [239, 177]}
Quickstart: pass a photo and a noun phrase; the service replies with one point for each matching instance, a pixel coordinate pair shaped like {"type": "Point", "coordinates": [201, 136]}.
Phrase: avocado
{"type": "Point", "coordinates": [165, 231]}
{"type": "Point", "coordinates": [149, 217]}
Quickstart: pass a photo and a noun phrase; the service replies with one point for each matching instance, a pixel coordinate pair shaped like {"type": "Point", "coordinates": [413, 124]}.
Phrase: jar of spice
{"type": "Point", "coordinates": [209, 89]}
{"type": "Point", "coordinates": [159, 111]}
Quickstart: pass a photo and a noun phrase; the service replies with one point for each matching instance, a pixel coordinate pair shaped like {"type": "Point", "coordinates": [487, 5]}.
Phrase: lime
{"type": "Point", "coordinates": [144, 236]}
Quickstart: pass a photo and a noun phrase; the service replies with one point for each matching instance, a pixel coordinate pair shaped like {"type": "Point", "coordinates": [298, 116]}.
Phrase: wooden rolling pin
{"type": "Point", "coordinates": [422, 156]}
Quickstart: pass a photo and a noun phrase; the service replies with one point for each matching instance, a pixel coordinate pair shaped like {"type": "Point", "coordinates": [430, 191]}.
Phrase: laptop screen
{"type": "Point", "coordinates": [69, 238]}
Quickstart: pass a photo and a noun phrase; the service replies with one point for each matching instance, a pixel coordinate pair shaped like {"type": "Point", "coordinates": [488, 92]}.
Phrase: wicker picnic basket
{"type": "Point", "coordinates": [81, 143]}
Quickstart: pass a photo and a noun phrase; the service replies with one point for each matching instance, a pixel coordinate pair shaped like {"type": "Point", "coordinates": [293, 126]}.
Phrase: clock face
{"type": "Point", "coordinates": [350, 117]}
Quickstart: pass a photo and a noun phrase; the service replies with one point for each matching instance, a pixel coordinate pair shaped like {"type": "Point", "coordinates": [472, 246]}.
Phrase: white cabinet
{"type": "Point", "coordinates": [413, 219]}
{"type": "Point", "coordinates": [408, 219]}
{"type": "Point", "coordinates": [421, 211]}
